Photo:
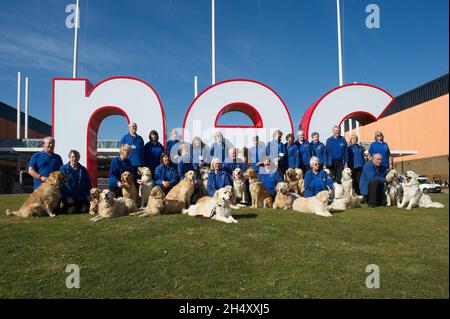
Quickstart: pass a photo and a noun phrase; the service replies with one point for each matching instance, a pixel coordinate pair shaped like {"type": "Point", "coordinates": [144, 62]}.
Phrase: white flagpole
{"type": "Point", "coordinates": [195, 87]}
{"type": "Point", "coordinates": [213, 80]}
{"type": "Point", "coordinates": [75, 45]}
{"type": "Point", "coordinates": [26, 107]}
{"type": "Point", "coordinates": [341, 77]}
{"type": "Point", "coordinates": [18, 104]}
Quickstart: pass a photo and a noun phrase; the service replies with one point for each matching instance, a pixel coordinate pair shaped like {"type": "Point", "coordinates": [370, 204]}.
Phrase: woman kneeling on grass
{"type": "Point", "coordinates": [316, 179]}
{"type": "Point", "coordinates": [75, 191]}
{"type": "Point", "coordinates": [218, 177]}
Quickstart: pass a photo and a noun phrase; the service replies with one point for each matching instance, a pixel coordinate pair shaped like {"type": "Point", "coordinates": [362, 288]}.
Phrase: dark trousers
{"type": "Point", "coordinates": [337, 167]}
{"type": "Point", "coordinates": [376, 194]}
{"type": "Point", "coordinates": [356, 176]}
{"type": "Point", "coordinates": [116, 190]}
{"type": "Point", "coordinates": [78, 207]}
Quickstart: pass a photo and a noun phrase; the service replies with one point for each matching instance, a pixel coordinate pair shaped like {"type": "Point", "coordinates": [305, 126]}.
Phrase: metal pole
{"type": "Point", "coordinates": [26, 108]}
{"type": "Point", "coordinates": [213, 43]}
{"type": "Point", "coordinates": [357, 130]}
{"type": "Point", "coordinates": [195, 87]}
{"type": "Point", "coordinates": [18, 104]}
{"type": "Point", "coordinates": [75, 45]}
{"type": "Point", "coordinates": [341, 77]}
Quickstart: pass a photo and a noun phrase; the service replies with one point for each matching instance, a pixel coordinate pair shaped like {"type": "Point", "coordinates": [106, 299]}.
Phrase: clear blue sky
{"type": "Point", "coordinates": [291, 45]}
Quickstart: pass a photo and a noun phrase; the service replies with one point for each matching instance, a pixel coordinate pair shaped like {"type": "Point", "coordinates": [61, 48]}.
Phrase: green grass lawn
{"type": "Point", "coordinates": [268, 254]}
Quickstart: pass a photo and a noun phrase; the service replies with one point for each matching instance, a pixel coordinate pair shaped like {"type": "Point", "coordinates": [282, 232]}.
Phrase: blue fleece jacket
{"type": "Point", "coordinates": [152, 155]}
{"type": "Point", "coordinates": [230, 165]}
{"type": "Point", "coordinates": [117, 167]}
{"type": "Point", "coordinates": [320, 150]}
{"type": "Point", "coordinates": [78, 184]}
{"type": "Point", "coordinates": [315, 183]}
{"type": "Point", "coordinates": [355, 156]}
{"type": "Point", "coordinates": [276, 149]}
{"type": "Point", "coordinates": [306, 152]}
{"type": "Point", "coordinates": [270, 179]}
{"type": "Point", "coordinates": [336, 149]}
{"type": "Point", "coordinates": [218, 180]}
{"type": "Point", "coordinates": [371, 173]}
{"type": "Point", "coordinates": [293, 155]}
{"type": "Point", "coordinates": [166, 173]}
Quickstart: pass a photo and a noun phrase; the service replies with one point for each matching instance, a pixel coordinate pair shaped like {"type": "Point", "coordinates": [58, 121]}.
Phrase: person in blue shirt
{"type": "Point", "coordinates": [184, 162]}
{"type": "Point", "coordinates": [119, 165]}
{"type": "Point", "coordinates": [232, 162]}
{"type": "Point", "coordinates": [355, 161]}
{"type": "Point", "coordinates": [218, 177]}
{"type": "Point", "coordinates": [44, 162]}
{"type": "Point", "coordinates": [219, 148]}
{"type": "Point", "coordinates": [76, 190]}
{"type": "Point", "coordinates": [152, 151]}
{"type": "Point", "coordinates": [319, 149]}
{"type": "Point", "coordinates": [337, 153]}
{"type": "Point", "coordinates": [270, 176]}
{"type": "Point", "coordinates": [256, 153]}
{"type": "Point", "coordinates": [306, 150]}
{"type": "Point", "coordinates": [316, 179]}
{"type": "Point", "coordinates": [293, 152]}
{"type": "Point", "coordinates": [137, 144]}
{"type": "Point", "coordinates": [200, 154]}
{"type": "Point", "coordinates": [373, 181]}
{"type": "Point", "coordinates": [166, 175]}
{"type": "Point", "coordinates": [381, 147]}
{"type": "Point", "coordinates": [276, 150]}
{"type": "Point", "coordinates": [173, 142]}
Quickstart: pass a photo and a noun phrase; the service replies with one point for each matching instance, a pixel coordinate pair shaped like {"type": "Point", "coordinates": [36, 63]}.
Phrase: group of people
{"type": "Point", "coordinates": [169, 164]}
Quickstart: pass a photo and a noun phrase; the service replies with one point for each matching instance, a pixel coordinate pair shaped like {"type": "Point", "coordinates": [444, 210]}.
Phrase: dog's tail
{"type": "Point", "coordinates": [11, 212]}
{"type": "Point", "coordinates": [185, 211]}
{"type": "Point", "coordinates": [437, 205]}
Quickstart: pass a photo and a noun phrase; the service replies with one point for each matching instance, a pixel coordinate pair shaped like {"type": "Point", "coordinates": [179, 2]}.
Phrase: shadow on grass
{"type": "Point", "coordinates": [239, 216]}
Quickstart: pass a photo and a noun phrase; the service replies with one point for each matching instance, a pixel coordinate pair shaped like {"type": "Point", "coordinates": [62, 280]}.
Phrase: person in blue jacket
{"type": "Point", "coordinates": [166, 175]}
{"type": "Point", "coordinates": [256, 153]}
{"type": "Point", "coordinates": [355, 161]}
{"type": "Point", "coordinates": [381, 147]}
{"type": "Point", "coordinates": [137, 144]}
{"type": "Point", "coordinates": [218, 177]}
{"type": "Point", "coordinates": [306, 150]}
{"type": "Point", "coordinates": [173, 142]}
{"type": "Point", "coordinates": [270, 176]}
{"type": "Point", "coordinates": [76, 190]}
{"type": "Point", "coordinates": [219, 148]}
{"type": "Point", "coordinates": [337, 153]}
{"type": "Point", "coordinates": [200, 154]}
{"type": "Point", "coordinates": [184, 162]}
{"type": "Point", "coordinates": [232, 162]}
{"type": "Point", "coordinates": [373, 181]}
{"type": "Point", "coordinates": [152, 151]}
{"type": "Point", "coordinates": [319, 149]}
{"type": "Point", "coordinates": [293, 152]}
{"type": "Point", "coordinates": [44, 162]}
{"type": "Point", "coordinates": [119, 165]}
{"type": "Point", "coordinates": [316, 179]}
{"type": "Point", "coordinates": [276, 150]}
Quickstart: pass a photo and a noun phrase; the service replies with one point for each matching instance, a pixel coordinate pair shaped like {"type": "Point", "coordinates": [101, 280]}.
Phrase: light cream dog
{"type": "Point", "coordinates": [218, 207]}
{"type": "Point", "coordinates": [44, 199]}
{"type": "Point", "coordinates": [238, 184]}
{"type": "Point", "coordinates": [311, 205]}
{"type": "Point", "coordinates": [413, 196]}
{"type": "Point", "coordinates": [110, 207]}
{"type": "Point", "coordinates": [261, 197]}
{"type": "Point", "coordinates": [347, 182]}
{"type": "Point", "coordinates": [284, 198]}
{"type": "Point", "coordinates": [146, 184]}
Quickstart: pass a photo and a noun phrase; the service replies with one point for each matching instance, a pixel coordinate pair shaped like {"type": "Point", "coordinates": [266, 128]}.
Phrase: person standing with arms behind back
{"type": "Point", "coordinates": [337, 153]}
{"type": "Point", "coordinates": [137, 145]}
{"type": "Point", "coordinates": [45, 162]}
{"type": "Point", "coordinates": [356, 161]}
{"type": "Point", "coordinates": [152, 151]}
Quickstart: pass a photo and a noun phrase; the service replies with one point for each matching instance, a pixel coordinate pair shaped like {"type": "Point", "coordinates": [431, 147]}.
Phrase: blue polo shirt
{"type": "Point", "coordinates": [44, 164]}
{"type": "Point", "coordinates": [137, 144]}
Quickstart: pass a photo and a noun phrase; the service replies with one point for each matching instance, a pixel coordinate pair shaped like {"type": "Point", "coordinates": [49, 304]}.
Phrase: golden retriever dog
{"type": "Point", "coordinates": [156, 204]}
{"type": "Point", "coordinates": [311, 205]}
{"type": "Point", "coordinates": [290, 177]}
{"type": "Point", "coordinates": [146, 184]}
{"type": "Point", "coordinates": [129, 190]}
{"type": "Point", "coordinates": [284, 198]}
{"type": "Point", "coordinates": [111, 207]}
{"type": "Point", "coordinates": [261, 197]}
{"type": "Point", "coordinates": [183, 190]}
{"type": "Point", "coordinates": [393, 189]}
{"type": "Point", "coordinates": [301, 181]}
{"type": "Point", "coordinates": [44, 199]}
{"type": "Point", "coordinates": [413, 196]}
{"type": "Point", "coordinates": [218, 207]}
{"type": "Point", "coordinates": [94, 200]}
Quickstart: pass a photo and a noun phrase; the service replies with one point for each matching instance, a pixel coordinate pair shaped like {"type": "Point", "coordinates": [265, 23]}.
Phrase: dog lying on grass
{"type": "Point", "coordinates": [111, 207]}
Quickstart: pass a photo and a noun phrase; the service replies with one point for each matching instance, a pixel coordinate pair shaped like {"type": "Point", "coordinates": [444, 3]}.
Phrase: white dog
{"type": "Point", "coordinates": [313, 205]}
{"type": "Point", "coordinates": [338, 190]}
{"type": "Point", "coordinates": [413, 195]}
{"type": "Point", "coordinates": [347, 182]}
{"type": "Point", "coordinates": [218, 207]}
{"type": "Point", "coordinates": [238, 184]}
{"type": "Point", "coordinates": [147, 185]}
{"type": "Point", "coordinates": [393, 188]}
{"type": "Point", "coordinates": [110, 207]}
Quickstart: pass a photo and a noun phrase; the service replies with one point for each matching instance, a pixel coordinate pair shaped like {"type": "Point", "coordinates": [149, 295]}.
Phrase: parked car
{"type": "Point", "coordinates": [427, 187]}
